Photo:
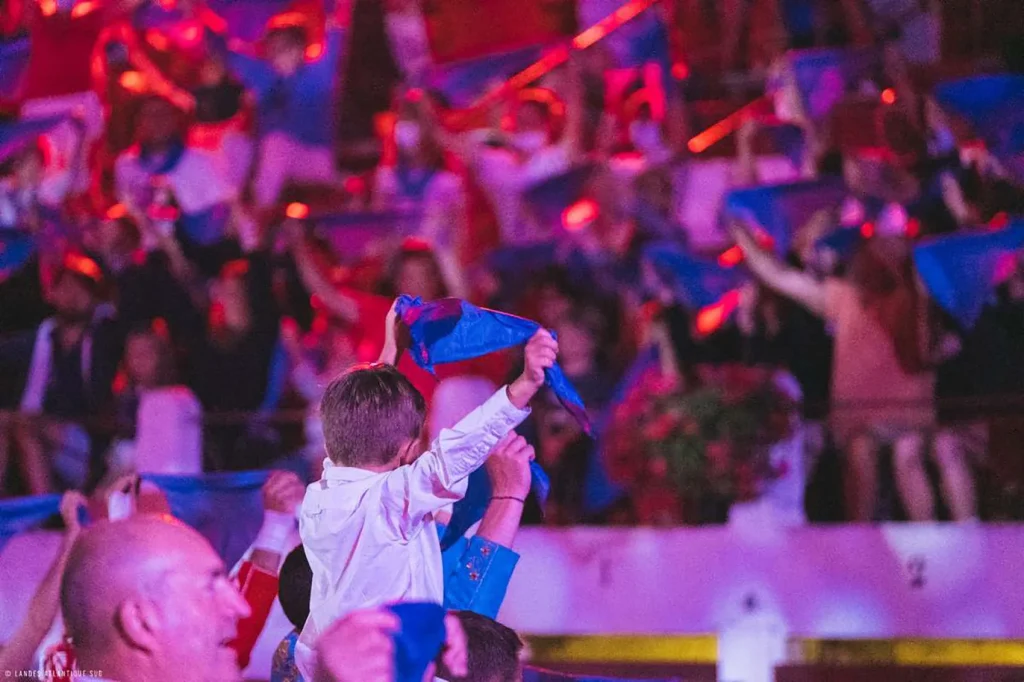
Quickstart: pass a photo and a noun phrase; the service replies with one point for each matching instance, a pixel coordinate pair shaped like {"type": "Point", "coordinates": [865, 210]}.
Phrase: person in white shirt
{"type": "Point", "coordinates": [531, 153]}
{"type": "Point", "coordinates": [368, 524]}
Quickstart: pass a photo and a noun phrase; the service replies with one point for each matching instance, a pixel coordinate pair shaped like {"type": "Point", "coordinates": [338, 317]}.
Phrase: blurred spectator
{"type": "Point", "coordinates": [295, 98]}
{"type": "Point", "coordinates": [419, 180]}
{"type": "Point", "coordinates": [161, 173]}
{"type": "Point", "coordinates": [66, 368]}
{"type": "Point", "coordinates": [58, 81]}
{"type": "Point", "coordinates": [220, 123]}
{"type": "Point", "coordinates": [880, 330]}
{"type": "Point", "coordinates": [407, 33]}
{"type": "Point", "coordinates": [39, 184]}
{"type": "Point", "coordinates": [238, 366]}
{"type": "Point", "coordinates": [531, 153]}
{"type": "Point", "coordinates": [159, 420]}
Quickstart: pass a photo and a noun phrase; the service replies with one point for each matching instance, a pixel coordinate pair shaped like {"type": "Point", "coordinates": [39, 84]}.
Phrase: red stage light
{"type": "Point", "coordinates": [297, 211]}
{"type": "Point", "coordinates": [711, 318]}
{"type": "Point", "coordinates": [580, 214]}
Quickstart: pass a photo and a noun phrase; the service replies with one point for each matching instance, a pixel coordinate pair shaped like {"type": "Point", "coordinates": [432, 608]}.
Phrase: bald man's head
{"type": "Point", "coordinates": [150, 595]}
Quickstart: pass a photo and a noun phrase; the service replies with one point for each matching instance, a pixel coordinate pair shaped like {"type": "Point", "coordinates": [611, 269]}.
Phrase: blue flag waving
{"type": "Point", "coordinates": [960, 270]}
{"type": "Point", "coordinates": [16, 249]}
{"type": "Point", "coordinates": [13, 66]}
{"type": "Point", "coordinates": [698, 281]}
{"type": "Point", "coordinates": [419, 639]}
{"type": "Point", "coordinates": [351, 234]}
{"type": "Point", "coordinates": [463, 82]}
{"type": "Point", "coordinates": [825, 76]}
{"type": "Point", "coordinates": [16, 136]}
{"type": "Point", "coordinates": [21, 514]}
{"type": "Point", "coordinates": [226, 508]}
{"type": "Point", "coordinates": [452, 330]}
{"type": "Point", "coordinates": [994, 108]}
{"type": "Point", "coordinates": [782, 209]}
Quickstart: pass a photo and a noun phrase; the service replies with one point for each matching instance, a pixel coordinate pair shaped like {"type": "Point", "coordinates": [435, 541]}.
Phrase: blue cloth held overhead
{"type": "Point", "coordinates": [548, 200]}
{"type": "Point", "coordinates": [16, 250]}
{"type": "Point", "coordinates": [825, 76]}
{"type": "Point", "coordinates": [22, 514]}
{"type": "Point", "coordinates": [782, 209]}
{"type": "Point", "coordinates": [226, 508]}
{"type": "Point", "coordinates": [418, 640]}
{"type": "Point", "coordinates": [994, 107]}
{"type": "Point", "coordinates": [959, 270]}
{"type": "Point", "coordinates": [700, 282]}
{"type": "Point", "coordinates": [15, 136]}
{"type": "Point", "coordinates": [452, 330]}
{"type": "Point", "coordinates": [463, 82]}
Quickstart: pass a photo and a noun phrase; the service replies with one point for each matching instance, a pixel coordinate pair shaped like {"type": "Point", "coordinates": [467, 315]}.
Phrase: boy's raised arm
{"type": "Point", "coordinates": [439, 476]}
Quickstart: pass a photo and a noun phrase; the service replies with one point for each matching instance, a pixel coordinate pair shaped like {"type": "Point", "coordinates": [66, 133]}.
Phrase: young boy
{"type": "Point", "coordinates": [368, 524]}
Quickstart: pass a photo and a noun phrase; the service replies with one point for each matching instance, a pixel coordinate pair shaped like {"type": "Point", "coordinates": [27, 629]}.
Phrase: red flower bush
{"type": "Point", "coordinates": [712, 438]}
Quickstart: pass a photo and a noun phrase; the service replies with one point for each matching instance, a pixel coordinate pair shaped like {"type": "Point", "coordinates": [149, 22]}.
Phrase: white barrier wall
{"type": "Point", "coordinates": [908, 580]}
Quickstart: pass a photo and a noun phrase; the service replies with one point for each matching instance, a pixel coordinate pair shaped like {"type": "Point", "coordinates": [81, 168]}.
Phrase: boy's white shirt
{"type": "Point", "coordinates": [371, 538]}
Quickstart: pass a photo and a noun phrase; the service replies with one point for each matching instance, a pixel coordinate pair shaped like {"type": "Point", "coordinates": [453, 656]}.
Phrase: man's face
{"type": "Point", "coordinates": [71, 299]}
{"type": "Point", "coordinates": [199, 613]}
{"type": "Point", "coordinates": [285, 55]}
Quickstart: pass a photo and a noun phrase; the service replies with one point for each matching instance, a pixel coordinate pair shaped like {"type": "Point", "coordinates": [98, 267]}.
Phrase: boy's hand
{"type": "Point", "coordinates": [396, 338]}
{"type": "Point", "coordinates": [541, 352]}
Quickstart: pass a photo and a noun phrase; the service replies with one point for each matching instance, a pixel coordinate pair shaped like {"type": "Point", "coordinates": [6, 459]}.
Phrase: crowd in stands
{"type": "Point", "coordinates": [199, 264]}
{"type": "Point", "coordinates": [195, 276]}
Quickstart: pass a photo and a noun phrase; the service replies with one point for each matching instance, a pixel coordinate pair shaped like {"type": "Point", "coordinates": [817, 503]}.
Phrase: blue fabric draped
{"type": "Point", "coordinates": [419, 638]}
{"type": "Point", "coordinates": [698, 281]}
{"type": "Point", "coordinates": [824, 76]}
{"type": "Point", "coordinates": [472, 506]}
{"type": "Point", "coordinates": [994, 107]}
{"type": "Point", "coordinates": [206, 227]}
{"type": "Point", "coordinates": [15, 136]}
{"type": "Point", "coordinates": [843, 242]}
{"type": "Point", "coordinates": [643, 40]}
{"type": "Point", "coordinates": [13, 64]}
{"type": "Point", "coordinates": [351, 233]}
{"type": "Point", "coordinates": [547, 200]}
{"type": "Point", "coordinates": [226, 508]}
{"type": "Point", "coordinates": [16, 249]}
{"type": "Point", "coordinates": [959, 270]}
{"type": "Point", "coordinates": [598, 489]}
{"type": "Point", "coordinates": [21, 514]}
{"type": "Point", "coordinates": [463, 82]}
{"type": "Point", "coordinates": [782, 209]}
{"type": "Point", "coordinates": [247, 19]}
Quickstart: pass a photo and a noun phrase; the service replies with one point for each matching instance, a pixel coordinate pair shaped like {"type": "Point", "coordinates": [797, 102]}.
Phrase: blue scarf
{"type": "Point", "coordinates": [161, 164]}
{"type": "Point", "coordinates": [413, 182]}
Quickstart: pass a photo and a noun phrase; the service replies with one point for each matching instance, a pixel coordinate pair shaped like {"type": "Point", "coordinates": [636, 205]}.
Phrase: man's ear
{"type": "Point", "coordinates": [139, 623]}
